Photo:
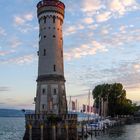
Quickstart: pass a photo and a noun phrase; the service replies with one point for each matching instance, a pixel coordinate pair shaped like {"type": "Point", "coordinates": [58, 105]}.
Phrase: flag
{"type": "Point", "coordinates": [91, 109]}
{"type": "Point", "coordinates": [84, 108]}
{"type": "Point", "coordinates": [88, 108]}
{"type": "Point", "coordinates": [73, 105]}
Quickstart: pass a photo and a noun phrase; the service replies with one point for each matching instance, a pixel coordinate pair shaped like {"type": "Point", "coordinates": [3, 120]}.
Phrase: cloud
{"type": "Point", "coordinates": [15, 42]}
{"type": "Point", "coordinates": [22, 19]}
{"type": "Point", "coordinates": [120, 7]}
{"type": "Point", "coordinates": [125, 72]}
{"type": "Point", "coordinates": [125, 35]}
{"type": "Point", "coordinates": [91, 5]}
{"type": "Point", "coordinates": [23, 59]}
{"type": "Point", "coordinates": [17, 103]}
{"type": "Point", "coordinates": [136, 67]}
{"type": "Point", "coordinates": [28, 17]}
{"type": "Point", "coordinates": [22, 22]}
{"type": "Point", "coordinates": [104, 10]}
{"type": "Point", "coordinates": [3, 88]}
{"type": "Point", "coordinates": [2, 103]}
{"type": "Point", "coordinates": [88, 20]}
{"type": "Point", "coordinates": [26, 28]}
{"type": "Point", "coordinates": [123, 29]}
{"type": "Point", "coordinates": [86, 49]}
{"type": "Point", "coordinates": [3, 53]}
{"type": "Point", "coordinates": [128, 2]}
{"type": "Point", "coordinates": [26, 59]}
{"type": "Point", "coordinates": [130, 77]}
{"type": "Point", "coordinates": [103, 16]}
{"type": "Point", "coordinates": [72, 29]}
{"type": "Point", "coordinates": [104, 31]}
{"type": "Point", "coordinates": [18, 20]}
{"type": "Point", "coordinates": [93, 26]}
{"type": "Point", "coordinates": [2, 32]}
{"type": "Point", "coordinates": [117, 6]}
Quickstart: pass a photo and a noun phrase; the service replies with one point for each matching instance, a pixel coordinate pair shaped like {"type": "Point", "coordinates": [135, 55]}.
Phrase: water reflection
{"type": "Point", "coordinates": [126, 132]}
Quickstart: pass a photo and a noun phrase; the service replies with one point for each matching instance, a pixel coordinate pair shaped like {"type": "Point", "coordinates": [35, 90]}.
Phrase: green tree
{"type": "Point", "coordinates": [115, 95]}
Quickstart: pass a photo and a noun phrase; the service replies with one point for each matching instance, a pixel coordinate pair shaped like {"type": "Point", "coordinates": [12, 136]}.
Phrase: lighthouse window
{"type": "Point", "coordinates": [43, 91]}
{"type": "Point", "coordinates": [44, 19]}
{"type": "Point", "coordinates": [44, 36]}
{"type": "Point", "coordinates": [53, 19]}
{"type": "Point", "coordinates": [53, 36]}
{"type": "Point", "coordinates": [61, 54]}
{"type": "Point", "coordinates": [43, 106]}
{"type": "Point", "coordinates": [54, 67]}
{"type": "Point", "coordinates": [54, 91]}
{"type": "Point", "coordinates": [44, 53]}
{"type": "Point", "coordinates": [60, 22]}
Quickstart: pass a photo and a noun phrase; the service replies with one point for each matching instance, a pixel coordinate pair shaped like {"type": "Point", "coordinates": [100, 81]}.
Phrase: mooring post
{"type": "Point", "coordinates": [82, 131]}
{"type": "Point", "coordinates": [30, 132]}
{"type": "Point", "coordinates": [54, 132]}
{"type": "Point", "coordinates": [41, 128]}
{"type": "Point", "coordinates": [67, 131]}
{"type": "Point", "coordinates": [76, 131]}
{"type": "Point", "coordinates": [91, 131]}
{"type": "Point", "coordinates": [86, 131]}
{"type": "Point", "coordinates": [59, 133]}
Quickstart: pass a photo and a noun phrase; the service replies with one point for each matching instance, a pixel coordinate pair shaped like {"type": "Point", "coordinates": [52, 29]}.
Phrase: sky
{"type": "Point", "coordinates": [101, 45]}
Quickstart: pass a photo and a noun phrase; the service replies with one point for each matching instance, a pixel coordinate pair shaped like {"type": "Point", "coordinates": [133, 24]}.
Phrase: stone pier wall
{"type": "Point", "coordinates": [51, 127]}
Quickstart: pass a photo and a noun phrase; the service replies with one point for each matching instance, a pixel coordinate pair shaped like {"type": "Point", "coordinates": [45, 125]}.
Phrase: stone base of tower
{"type": "Point", "coordinates": [51, 127]}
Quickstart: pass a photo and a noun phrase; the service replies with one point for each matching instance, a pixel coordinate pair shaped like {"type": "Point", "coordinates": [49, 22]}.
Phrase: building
{"type": "Point", "coordinates": [51, 96]}
{"type": "Point", "coordinates": [51, 120]}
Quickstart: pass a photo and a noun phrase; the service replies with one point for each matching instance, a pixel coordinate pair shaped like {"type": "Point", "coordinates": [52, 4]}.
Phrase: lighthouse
{"type": "Point", "coordinates": [50, 96]}
{"type": "Point", "coordinates": [51, 120]}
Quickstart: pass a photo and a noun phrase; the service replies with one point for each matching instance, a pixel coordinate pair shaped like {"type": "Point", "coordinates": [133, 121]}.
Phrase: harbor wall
{"type": "Point", "coordinates": [51, 127]}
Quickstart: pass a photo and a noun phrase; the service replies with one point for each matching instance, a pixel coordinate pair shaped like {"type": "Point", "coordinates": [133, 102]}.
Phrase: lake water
{"type": "Point", "coordinates": [125, 132]}
{"type": "Point", "coordinates": [13, 129]}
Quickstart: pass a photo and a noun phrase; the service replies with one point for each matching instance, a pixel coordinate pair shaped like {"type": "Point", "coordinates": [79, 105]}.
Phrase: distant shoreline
{"type": "Point", "coordinates": [12, 113]}
{"type": "Point", "coordinates": [12, 116]}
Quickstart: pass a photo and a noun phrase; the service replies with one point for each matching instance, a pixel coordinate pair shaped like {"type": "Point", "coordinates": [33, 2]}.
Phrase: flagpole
{"type": "Point", "coordinates": [76, 105]}
{"type": "Point", "coordinates": [70, 104]}
{"type": "Point", "coordinates": [89, 100]}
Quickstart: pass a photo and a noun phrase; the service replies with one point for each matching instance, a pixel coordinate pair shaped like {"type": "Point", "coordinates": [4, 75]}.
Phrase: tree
{"type": "Point", "coordinates": [115, 96]}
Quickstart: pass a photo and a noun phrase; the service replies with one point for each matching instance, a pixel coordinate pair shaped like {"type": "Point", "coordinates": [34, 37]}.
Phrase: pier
{"type": "Point", "coordinates": [51, 127]}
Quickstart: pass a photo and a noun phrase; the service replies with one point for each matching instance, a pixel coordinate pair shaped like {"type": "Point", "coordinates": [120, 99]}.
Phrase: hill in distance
{"type": "Point", "coordinates": [13, 113]}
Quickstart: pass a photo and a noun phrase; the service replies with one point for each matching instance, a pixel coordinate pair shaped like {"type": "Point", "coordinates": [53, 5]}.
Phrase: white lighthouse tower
{"type": "Point", "coordinates": [50, 97]}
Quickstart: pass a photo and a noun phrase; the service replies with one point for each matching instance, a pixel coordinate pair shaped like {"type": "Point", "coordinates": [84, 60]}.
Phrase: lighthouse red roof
{"type": "Point", "coordinates": [54, 3]}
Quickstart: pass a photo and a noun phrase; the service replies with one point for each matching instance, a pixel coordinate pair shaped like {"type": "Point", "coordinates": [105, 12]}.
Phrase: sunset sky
{"type": "Point", "coordinates": [101, 45]}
